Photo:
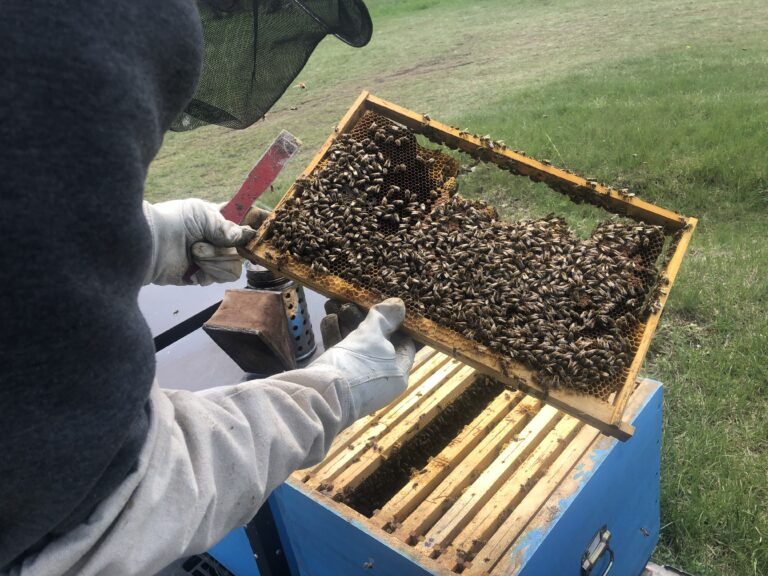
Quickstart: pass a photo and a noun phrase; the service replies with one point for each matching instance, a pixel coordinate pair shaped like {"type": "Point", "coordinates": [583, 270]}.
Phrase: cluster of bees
{"type": "Point", "coordinates": [531, 291]}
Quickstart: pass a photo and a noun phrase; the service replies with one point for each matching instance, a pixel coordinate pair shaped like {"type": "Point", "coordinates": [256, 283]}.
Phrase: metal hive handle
{"type": "Point", "coordinates": [597, 547]}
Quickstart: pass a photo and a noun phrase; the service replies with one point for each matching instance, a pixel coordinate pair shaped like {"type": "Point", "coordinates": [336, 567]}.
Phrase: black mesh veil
{"type": "Point", "coordinates": [254, 49]}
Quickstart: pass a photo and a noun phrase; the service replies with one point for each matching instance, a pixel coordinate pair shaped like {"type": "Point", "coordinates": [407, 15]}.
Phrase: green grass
{"type": "Point", "coordinates": [667, 98]}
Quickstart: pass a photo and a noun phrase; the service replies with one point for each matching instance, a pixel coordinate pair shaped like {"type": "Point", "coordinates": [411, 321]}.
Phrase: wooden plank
{"type": "Point", "coordinates": [592, 411]}
{"type": "Point", "coordinates": [413, 493]}
{"type": "Point", "coordinates": [428, 512]}
{"type": "Point", "coordinates": [417, 396]}
{"type": "Point", "coordinates": [650, 327]}
{"type": "Point", "coordinates": [485, 486]}
{"type": "Point", "coordinates": [510, 494]}
{"type": "Point", "coordinates": [491, 557]}
{"type": "Point", "coordinates": [421, 357]}
{"type": "Point", "coordinates": [370, 460]}
{"type": "Point", "coordinates": [354, 432]}
{"type": "Point", "coordinates": [635, 502]}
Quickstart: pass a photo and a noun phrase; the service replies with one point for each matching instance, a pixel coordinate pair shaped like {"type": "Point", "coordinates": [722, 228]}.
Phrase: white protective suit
{"type": "Point", "coordinates": [211, 459]}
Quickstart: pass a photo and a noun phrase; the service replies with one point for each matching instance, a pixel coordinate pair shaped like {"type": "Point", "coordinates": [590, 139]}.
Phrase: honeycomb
{"type": "Point", "coordinates": [379, 217]}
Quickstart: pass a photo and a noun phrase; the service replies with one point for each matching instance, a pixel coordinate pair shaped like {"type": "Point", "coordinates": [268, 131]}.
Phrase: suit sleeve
{"type": "Point", "coordinates": [210, 461]}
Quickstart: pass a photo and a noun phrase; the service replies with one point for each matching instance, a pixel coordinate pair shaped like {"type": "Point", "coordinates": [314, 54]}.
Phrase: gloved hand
{"type": "Point", "coordinates": [193, 231]}
{"type": "Point", "coordinates": [374, 360]}
{"type": "Point", "coordinates": [339, 320]}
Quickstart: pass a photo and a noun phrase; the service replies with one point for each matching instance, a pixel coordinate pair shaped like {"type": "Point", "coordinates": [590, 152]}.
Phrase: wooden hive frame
{"type": "Point", "coordinates": [606, 415]}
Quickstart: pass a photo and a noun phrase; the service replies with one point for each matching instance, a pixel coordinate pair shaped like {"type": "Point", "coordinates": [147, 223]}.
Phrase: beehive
{"type": "Point", "coordinates": [457, 469]}
{"type": "Point", "coordinates": [430, 182]}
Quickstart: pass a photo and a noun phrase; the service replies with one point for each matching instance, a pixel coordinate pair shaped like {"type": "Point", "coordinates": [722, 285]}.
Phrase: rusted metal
{"type": "Point", "coordinates": [250, 326]}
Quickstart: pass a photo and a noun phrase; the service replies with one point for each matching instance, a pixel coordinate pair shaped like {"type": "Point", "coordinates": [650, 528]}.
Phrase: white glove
{"type": "Point", "coordinates": [375, 368]}
{"type": "Point", "coordinates": [193, 231]}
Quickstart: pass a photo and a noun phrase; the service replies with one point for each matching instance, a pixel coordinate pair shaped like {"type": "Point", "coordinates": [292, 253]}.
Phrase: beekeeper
{"type": "Point", "coordinates": [101, 471]}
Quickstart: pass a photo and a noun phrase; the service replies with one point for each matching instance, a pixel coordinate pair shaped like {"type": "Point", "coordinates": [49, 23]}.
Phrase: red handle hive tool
{"type": "Point", "coordinates": [261, 176]}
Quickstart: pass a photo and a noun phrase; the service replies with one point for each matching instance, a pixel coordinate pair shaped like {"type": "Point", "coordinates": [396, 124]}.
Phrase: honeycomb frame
{"type": "Point", "coordinates": [603, 413]}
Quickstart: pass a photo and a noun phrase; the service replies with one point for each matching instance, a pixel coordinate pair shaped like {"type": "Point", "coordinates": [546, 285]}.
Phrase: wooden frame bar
{"type": "Point", "coordinates": [606, 415]}
{"type": "Point", "coordinates": [413, 493]}
{"type": "Point", "coordinates": [424, 364]}
{"type": "Point", "coordinates": [485, 486]}
{"type": "Point", "coordinates": [431, 509]}
{"type": "Point", "coordinates": [369, 461]}
{"type": "Point", "coordinates": [378, 427]}
{"type": "Point", "coordinates": [511, 528]}
{"type": "Point", "coordinates": [561, 180]}
{"type": "Point", "coordinates": [504, 501]}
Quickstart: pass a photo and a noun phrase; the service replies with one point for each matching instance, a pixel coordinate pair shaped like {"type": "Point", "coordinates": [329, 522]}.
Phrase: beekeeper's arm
{"type": "Point", "coordinates": [211, 459]}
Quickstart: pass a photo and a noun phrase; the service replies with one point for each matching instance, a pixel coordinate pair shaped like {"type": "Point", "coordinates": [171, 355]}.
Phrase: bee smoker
{"type": "Point", "coordinates": [264, 328]}
{"type": "Point", "coordinates": [294, 304]}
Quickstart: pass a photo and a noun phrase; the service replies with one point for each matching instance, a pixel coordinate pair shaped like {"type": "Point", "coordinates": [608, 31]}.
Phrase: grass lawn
{"type": "Point", "coordinates": [668, 98]}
